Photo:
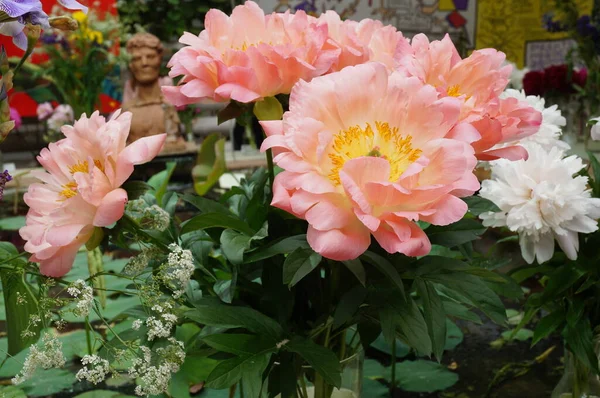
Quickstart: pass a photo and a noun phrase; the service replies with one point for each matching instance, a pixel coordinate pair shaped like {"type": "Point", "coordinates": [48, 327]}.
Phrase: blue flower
{"type": "Point", "coordinates": [28, 11]}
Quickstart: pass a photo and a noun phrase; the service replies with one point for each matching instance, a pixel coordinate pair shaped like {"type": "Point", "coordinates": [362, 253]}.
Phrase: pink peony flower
{"type": "Point", "coordinates": [248, 56]}
{"type": "Point", "coordinates": [364, 41]}
{"type": "Point", "coordinates": [370, 161]}
{"type": "Point", "coordinates": [14, 116]}
{"type": "Point", "coordinates": [80, 188]}
{"type": "Point", "coordinates": [477, 81]}
{"type": "Point", "coordinates": [44, 110]}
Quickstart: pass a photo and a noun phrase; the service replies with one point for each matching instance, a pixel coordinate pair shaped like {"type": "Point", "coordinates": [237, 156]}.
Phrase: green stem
{"type": "Point", "coordinates": [393, 381]}
{"type": "Point", "coordinates": [12, 258]}
{"type": "Point", "coordinates": [271, 168]}
{"type": "Point", "coordinates": [28, 52]}
{"type": "Point", "coordinates": [88, 335]}
{"type": "Point", "coordinates": [303, 384]}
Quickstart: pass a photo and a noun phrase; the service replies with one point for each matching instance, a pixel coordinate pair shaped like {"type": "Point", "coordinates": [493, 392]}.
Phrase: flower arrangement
{"type": "Point", "coordinates": [55, 118]}
{"type": "Point", "coordinates": [79, 61]}
{"type": "Point", "coordinates": [362, 224]}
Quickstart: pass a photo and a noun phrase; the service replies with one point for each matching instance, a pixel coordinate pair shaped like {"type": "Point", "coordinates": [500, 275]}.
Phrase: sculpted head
{"type": "Point", "coordinates": [146, 51]}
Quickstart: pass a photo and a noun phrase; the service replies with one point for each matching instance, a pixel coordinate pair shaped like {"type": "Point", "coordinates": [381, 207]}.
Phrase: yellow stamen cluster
{"type": "Point", "coordinates": [70, 188]}
{"type": "Point", "coordinates": [454, 91]}
{"type": "Point", "coordinates": [385, 142]}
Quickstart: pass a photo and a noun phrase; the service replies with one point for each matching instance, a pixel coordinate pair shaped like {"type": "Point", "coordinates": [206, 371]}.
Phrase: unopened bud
{"type": "Point", "coordinates": [64, 23]}
{"type": "Point", "coordinates": [268, 109]}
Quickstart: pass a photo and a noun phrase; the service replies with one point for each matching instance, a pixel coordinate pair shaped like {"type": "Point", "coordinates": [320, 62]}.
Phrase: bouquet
{"type": "Point", "coordinates": [362, 224]}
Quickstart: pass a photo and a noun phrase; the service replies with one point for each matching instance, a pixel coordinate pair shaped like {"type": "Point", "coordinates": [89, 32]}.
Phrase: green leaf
{"type": "Point", "coordinates": [478, 205]}
{"type": "Point", "coordinates": [284, 246]}
{"type": "Point", "coordinates": [424, 376]}
{"type": "Point", "coordinates": [95, 239]}
{"type": "Point", "coordinates": [348, 305]}
{"type": "Point", "coordinates": [475, 290]}
{"type": "Point", "coordinates": [456, 310]}
{"type": "Point", "coordinates": [596, 171]}
{"type": "Point", "coordinates": [12, 392]}
{"type": "Point", "coordinates": [322, 360]}
{"type": "Point", "coordinates": [356, 267]}
{"type": "Point", "coordinates": [385, 267]}
{"type": "Point", "coordinates": [579, 339]}
{"type": "Point", "coordinates": [435, 316]}
{"type": "Point", "coordinates": [238, 344]}
{"type": "Point", "coordinates": [211, 220]}
{"type": "Point", "coordinates": [230, 371]}
{"type": "Point", "coordinates": [412, 328]}
{"type": "Point", "coordinates": [454, 336]}
{"type": "Point", "coordinates": [179, 387]}
{"type": "Point", "coordinates": [252, 379]}
{"type": "Point", "coordinates": [298, 264]}
{"type": "Point", "coordinates": [230, 317]}
{"type": "Point", "coordinates": [103, 394]}
{"type": "Point", "coordinates": [234, 244]}
{"type": "Point", "coordinates": [547, 325]}
{"type": "Point", "coordinates": [14, 286]}
{"type": "Point", "coordinates": [560, 280]}
{"type": "Point", "coordinates": [455, 234]}
{"type": "Point", "coordinates": [387, 318]}
{"type": "Point", "coordinates": [521, 335]}
{"type": "Point", "coordinates": [268, 109]}
{"type": "Point", "coordinates": [210, 164]}
{"type": "Point", "coordinates": [380, 344]}
{"type": "Point", "coordinates": [48, 382]}
{"type": "Point", "coordinates": [135, 189]}
{"type": "Point", "coordinates": [160, 181]}
{"type": "Point", "coordinates": [12, 223]}
{"type": "Point", "coordinates": [205, 205]}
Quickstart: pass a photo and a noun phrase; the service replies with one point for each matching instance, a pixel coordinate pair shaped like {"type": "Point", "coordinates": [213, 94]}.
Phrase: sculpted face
{"type": "Point", "coordinates": [145, 64]}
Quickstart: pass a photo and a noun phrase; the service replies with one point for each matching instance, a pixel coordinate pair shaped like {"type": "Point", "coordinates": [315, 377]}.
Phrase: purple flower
{"type": "Point", "coordinates": [28, 11]}
{"type": "Point", "coordinates": [4, 178]}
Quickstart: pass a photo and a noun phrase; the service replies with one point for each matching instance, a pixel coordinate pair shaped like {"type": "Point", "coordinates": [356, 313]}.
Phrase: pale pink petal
{"type": "Point", "coordinates": [111, 208]}
{"type": "Point", "coordinates": [139, 152]}
{"type": "Point", "coordinates": [339, 244]}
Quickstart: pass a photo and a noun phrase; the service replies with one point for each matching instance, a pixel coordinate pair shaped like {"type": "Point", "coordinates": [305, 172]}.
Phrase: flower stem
{"type": "Point", "coordinates": [88, 335]}
{"type": "Point", "coordinates": [271, 168]}
{"type": "Point", "coordinates": [393, 381]}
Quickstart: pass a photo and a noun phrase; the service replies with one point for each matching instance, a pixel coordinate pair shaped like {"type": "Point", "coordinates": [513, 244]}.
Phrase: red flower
{"type": "Point", "coordinates": [555, 78]}
{"type": "Point", "coordinates": [533, 83]}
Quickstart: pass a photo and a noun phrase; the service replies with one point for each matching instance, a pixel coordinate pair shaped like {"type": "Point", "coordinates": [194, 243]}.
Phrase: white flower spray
{"type": "Point", "coordinates": [155, 373]}
{"type": "Point", "coordinates": [95, 370]}
{"type": "Point", "coordinates": [48, 356]}
{"type": "Point", "coordinates": [178, 270]}
{"type": "Point", "coordinates": [84, 296]}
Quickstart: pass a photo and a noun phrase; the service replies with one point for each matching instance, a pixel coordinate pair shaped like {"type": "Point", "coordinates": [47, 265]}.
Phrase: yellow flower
{"type": "Point", "coordinates": [95, 35]}
{"type": "Point", "coordinates": [80, 17]}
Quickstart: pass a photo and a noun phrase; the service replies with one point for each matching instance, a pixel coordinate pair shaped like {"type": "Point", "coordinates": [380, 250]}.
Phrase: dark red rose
{"type": "Point", "coordinates": [580, 77]}
{"type": "Point", "coordinates": [533, 82]}
{"type": "Point", "coordinates": [555, 79]}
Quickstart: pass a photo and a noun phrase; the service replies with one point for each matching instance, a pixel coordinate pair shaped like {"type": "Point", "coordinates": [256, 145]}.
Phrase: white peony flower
{"type": "Point", "coordinates": [541, 200]}
{"type": "Point", "coordinates": [596, 129]}
{"type": "Point", "coordinates": [516, 76]}
{"type": "Point", "coordinates": [548, 136]}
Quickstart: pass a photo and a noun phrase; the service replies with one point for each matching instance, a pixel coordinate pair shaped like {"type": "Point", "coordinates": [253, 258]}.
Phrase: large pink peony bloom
{"type": "Point", "coordinates": [80, 188]}
{"type": "Point", "coordinates": [364, 41]}
{"type": "Point", "coordinates": [370, 161]}
{"type": "Point", "coordinates": [477, 81]}
{"type": "Point", "coordinates": [248, 56]}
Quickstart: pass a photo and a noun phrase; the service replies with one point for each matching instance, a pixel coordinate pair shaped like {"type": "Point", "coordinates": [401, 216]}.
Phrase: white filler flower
{"type": "Point", "coordinates": [542, 200]}
{"type": "Point", "coordinates": [595, 129]}
{"type": "Point", "coordinates": [548, 136]}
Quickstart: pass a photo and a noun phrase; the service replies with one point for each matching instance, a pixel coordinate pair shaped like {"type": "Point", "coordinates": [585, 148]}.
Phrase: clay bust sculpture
{"type": "Point", "coordinates": [143, 98]}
